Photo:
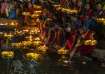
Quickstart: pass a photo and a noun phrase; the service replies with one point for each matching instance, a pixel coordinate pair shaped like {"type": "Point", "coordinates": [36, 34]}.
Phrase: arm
{"type": "Point", "coordinates": [48, 38]}
{"type": "Point", "coordinates": [74, 48]}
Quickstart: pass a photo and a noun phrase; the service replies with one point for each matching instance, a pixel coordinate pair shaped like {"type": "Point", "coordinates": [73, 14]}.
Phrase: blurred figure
{"type": "Point", "coordinates": [89, 23]}
{"type": "Point", "coordinates": [76, 22]}
{"type": "Point", "coordinates": [31, 66]}
{"type": "Point", "coordinates": [92, 2]}
{"type": "Point", "coordinates": [54, 36]}
{"type": "Point", "coordinates": [30, 7]}
{"type": "Point", "coordinates": [88, 11]}
{"type": "Point", "coordinates": [65, 2]}
{"type": "Point", "coordinates": [98, 10]}
{"type": "Point", "coordinates": [80, 5]}
{"type": "Point", "coordinates": [4, 6]}
{"type": "Point", "coordinates": [74, 4]}
{"type": "Point", "coordinates": [71, 35]}
{"type": "Point", "coordinates": [12, 11]}
{"type": "Point", "coordinates": [18, 66]}
{"type": "Point", "coordinates": [86, 49]}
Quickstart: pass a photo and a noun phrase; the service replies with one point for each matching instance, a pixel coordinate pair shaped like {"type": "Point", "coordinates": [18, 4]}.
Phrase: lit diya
{"type": "Point", "coordinates": [32, 56]}
{"type": "Point", "coordinates": [42, 48]}
{"type": "Point", "coordinates": [62, 51]}
{"type": "Point", "coordinates": [7, 54]}
{"type": "Point", "coordinates": [90, 42]}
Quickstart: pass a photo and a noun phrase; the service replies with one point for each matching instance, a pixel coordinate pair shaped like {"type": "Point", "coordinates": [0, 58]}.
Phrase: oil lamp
{"type": "Point", "coordinates": [101, 20]}
{"type": "Point", "coordinates": [93, 42]}
{"type": "Point", "coordinates": [62, 51]}
{"type": "Point", "coordinates": [37, 6]}
{"type": "Point", "coordinates": [90, 42]}
{"type": "Point", "coordinates": [42, 48]}
{"type": "Point", "coordinates": [37, 43]}
{"type": "Point", "coordinates": [32, 56]}
{"type": "Point", "coordinates": [26, 13]}
{"type": "Point", "coordinates": [68, 10]}
{"type": "Point", "coordinates": [7, 54]}
{"type": "Point", "coordinates": [87, 42]}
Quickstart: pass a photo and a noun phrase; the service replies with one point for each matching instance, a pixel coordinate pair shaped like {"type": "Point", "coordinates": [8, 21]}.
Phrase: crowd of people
{"type": "Point", "coordinates": [62, 29]}
{"type": "Point", "coordinates": [77, 33]}
{"type": "Point", "coordinates": [12, 9]}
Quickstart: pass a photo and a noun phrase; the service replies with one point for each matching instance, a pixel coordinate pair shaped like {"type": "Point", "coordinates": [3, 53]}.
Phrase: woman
{"type": "Point", "coordinates": [87, 45]}
{"type": "Point", "coordinates": [12, 12]}
{"type": "Point", "coordinates": [71, 37]}
{"type": "Point", "coordinates": [4, 7]}
{"type": "Point", "coordinates": [54, 36]}
{"type": "Point", "coordinates": [98, 10]}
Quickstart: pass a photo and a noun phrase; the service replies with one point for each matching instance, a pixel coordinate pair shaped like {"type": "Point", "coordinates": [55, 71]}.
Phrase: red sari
{"type": "Point", "coordinates": [86, 49]}
{"type": "Point", "coordinates": [70, 40]}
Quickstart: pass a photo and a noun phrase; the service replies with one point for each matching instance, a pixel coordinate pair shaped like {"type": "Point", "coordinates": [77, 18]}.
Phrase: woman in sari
{"type": "Point", "coordinates": [88, 43]}
{"type": "Point", "coordinates": [71, 37]}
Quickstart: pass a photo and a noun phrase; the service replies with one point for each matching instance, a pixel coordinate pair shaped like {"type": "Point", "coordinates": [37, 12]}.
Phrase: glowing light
{"type": "Point", "coordinates": [37, 6]}
{"type": "Point", "coordinates": [101, 20]}
{"type": "Point", "coordinates": [62, 51]}
{"type": "Point", "coordinates": [94, 42]}
{"type": "Point", "coordinates": [87, 42]}
{"type": "Point", "coordinates": [90, 42]}
{"type": "Point", "coordinates": [32, 56]}
{"type": "Point", "coordinates": [26, 13]}
{"type": "Point", "coordinates": [67, 10]}
{"type": "Point", "coordinates": [43, 48]}
{"type": "Point", "coordinates": [8, 35]}
{"type": "Point", "coordinates": [71, 11]}
{"type": "Point", "coordinates": [37, 11]}
{"type": "Point", "coordinates": [7, 54]}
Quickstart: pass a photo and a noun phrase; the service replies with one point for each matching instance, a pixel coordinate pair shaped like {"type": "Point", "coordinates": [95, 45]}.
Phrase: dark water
{"type": "Point", "coordinates": [48, 66]}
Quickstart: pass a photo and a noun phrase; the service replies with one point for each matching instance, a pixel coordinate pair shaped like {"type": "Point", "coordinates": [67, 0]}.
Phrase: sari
{"type": "Point", "coordinates": [86, 49]}
{"type": "Point", "coordinates": [70, 40]}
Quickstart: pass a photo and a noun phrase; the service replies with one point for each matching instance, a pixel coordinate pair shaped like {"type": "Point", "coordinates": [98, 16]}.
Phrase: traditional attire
{"type": "Point", "coordinates": [86, 49]}
{"type": "Point", "coordinates": [70, 40]}
{"type": "Point", "coordinates": [4, 7]}
{"type": "Point", "coordinates": [55, 37]}
{"type": "Point", "coordinates": [12, 14]}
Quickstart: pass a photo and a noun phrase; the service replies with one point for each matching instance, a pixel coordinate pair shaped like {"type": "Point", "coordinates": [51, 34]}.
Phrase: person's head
{"type": "Point", "coordinates": [11, 6]}
{"type": "Point", "coordinates": [74, 19]}
{"type": "Point", "coordinates": [74, 1]}
{"type": "Point", "coordinates": [99, 6]}
{"type": "Point", "coordinates": [80, 3]}
{"type": "Point", "coordinates": [93, 32]}
{"type": "Point", "coordinates": [14, 2]}
{"type": "Point", "coordinates": [87, 17]}
{"type": "Point", "coordinates": [37, 20]}
{"type": "Point", "coordinates": [87, 6]}
{"type": "Point", "coordinates": [5, 0]}
{"type": "Point", "coordinates": [56, 26]}
{"type": "Point", "coordinates": [30, 5]}
{"type": "Point", "coordinates": [104, 7]}
{"type": "Point", "coordinates": [68, 29]}
{"type": "Point", "coordinates": [81, 30]}
{"type": "Point", "coordinates": [45, 11]}
{"type": "Point", "coordinates": [33, 22]}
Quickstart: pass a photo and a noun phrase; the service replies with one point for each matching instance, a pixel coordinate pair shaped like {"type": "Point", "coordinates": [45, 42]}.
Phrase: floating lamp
{"type": "Point", "coordinates": [7, 54]}
{"type": "Point", "coordinates": [26, 13]}
{"type": "Point", "coordinates": [32, 56]}
{"type": "Point", "coordinates": [93, 42]}
{"type": "Point", "coordinates": [62, 51]}
{"type": "Point", "coordinates": [90, 42]}
{"type": "Point", "coordinates": [42, 48]}
{"type": "Point", "coordinates": [37, 6]}
{"type": "Point", "coordinates": [87, 42]}
{"type": "Point", "coordinates": [101, 20]}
